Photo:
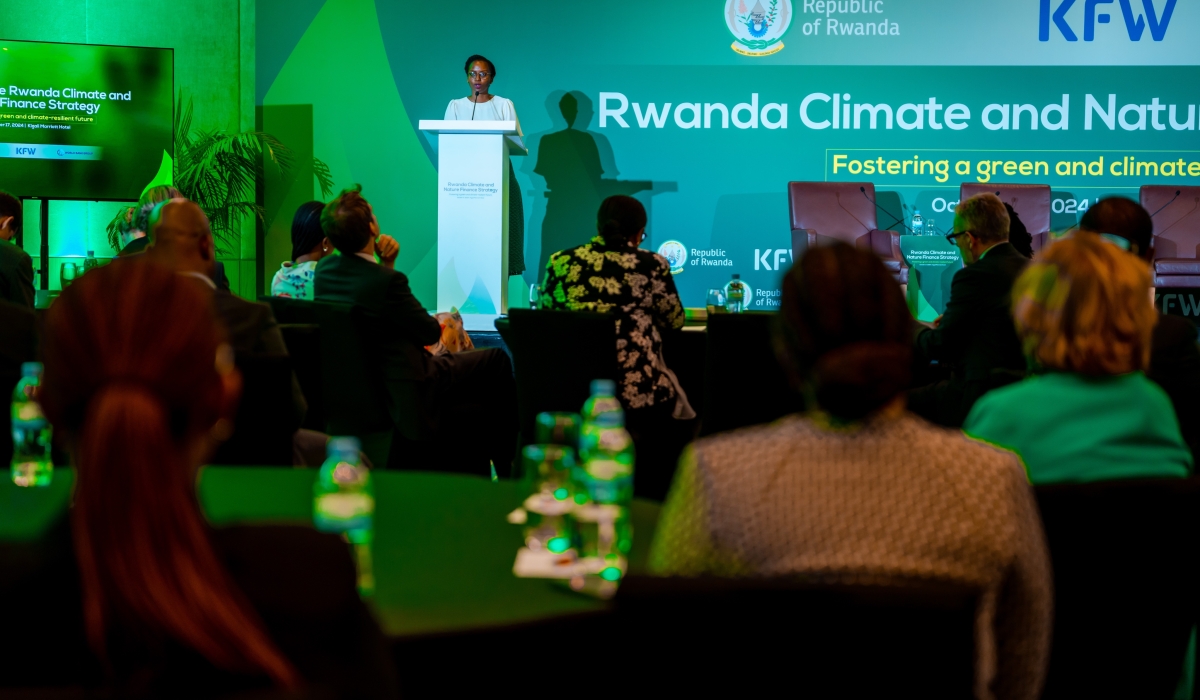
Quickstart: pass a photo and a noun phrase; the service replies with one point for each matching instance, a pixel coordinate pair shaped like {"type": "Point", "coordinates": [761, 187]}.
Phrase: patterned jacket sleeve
{"type": "Point", "coordinates": [1025, 606]}
{"type": "Point", "coordinates": [668, 310]}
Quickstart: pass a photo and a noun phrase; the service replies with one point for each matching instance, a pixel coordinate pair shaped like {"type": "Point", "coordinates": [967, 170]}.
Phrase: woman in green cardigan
{"type": "Point", "coordinates": [1084, 317]}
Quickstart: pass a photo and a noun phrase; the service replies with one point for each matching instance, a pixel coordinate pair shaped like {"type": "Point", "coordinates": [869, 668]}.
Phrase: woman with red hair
{"type": "Point", "coordinates": [140, 383]}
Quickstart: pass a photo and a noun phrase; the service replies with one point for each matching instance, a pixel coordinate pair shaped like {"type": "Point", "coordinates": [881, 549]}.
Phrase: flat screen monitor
{"type": "Point", "coordinates": [81, 121]}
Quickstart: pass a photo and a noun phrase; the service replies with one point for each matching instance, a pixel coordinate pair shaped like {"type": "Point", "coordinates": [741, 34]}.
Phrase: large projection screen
{"type": "Point", "coordinates": [81, 121]}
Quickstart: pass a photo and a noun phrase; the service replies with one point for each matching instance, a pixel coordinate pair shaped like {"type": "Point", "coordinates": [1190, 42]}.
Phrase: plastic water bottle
{"type": "Point", "coordinates": [344, 503]}
{"type": "Point", "coordinates": [605, 448]}
{"type": "Point", "coordinates": [90, 262]}
{"type": "Point", "coordinates": [31, 463]}
{"type": "Point", "coordinates": [735, 298]}
{"type": "Point", "coordinates": [918, 224]}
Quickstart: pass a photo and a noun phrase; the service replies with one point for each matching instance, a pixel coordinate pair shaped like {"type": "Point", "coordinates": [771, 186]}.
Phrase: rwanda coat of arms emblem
{"type": "Point", "coordinates": [758, 26]}
{"type": "Point", "coordinates": [676, 255]}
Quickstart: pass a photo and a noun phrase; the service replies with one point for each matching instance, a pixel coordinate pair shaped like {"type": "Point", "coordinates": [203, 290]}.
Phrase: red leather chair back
{"type": "Point", "coordinates": [1177, 225]}
{"type": "Point", "coordinates": [1031, 202]}
{"type": "Point", "coordinates": [838, 210]}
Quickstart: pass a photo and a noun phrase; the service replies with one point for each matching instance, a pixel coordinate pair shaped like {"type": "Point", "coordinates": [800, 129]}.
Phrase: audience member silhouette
{"type": "Point", "coordinates": [1174, 355]}
{"type": "Point", "coordinates": [611, 274]}
{"type": "Point", "coordinates": [1084, 318]}
{"type": "Point", "coordinates": [860, 491]}
{"type": "Point", "coordinates": [135, 592]}
{"type": "Point", "coordinates": [16, 267]}
{"type": "Point", "coordinates": [974, 338]}
{"type": "Point", "coordinates": [431, 398]}
{"type": "Point", "coordinates": [309, 244]}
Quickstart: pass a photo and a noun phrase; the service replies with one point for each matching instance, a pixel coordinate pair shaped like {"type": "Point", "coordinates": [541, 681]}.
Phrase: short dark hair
{"type": "Point", "coordinates": [306, 228]}
{"type": "Point", "coordinates": [985, 217]}
{"type": "Point", "coordinates": [346, 221]}
{"type": "Point", "coordinates": [11, 206]}
{"type": "Point", "coordinates": [1122, 217]}
{"type": "Point", "coordinates": [620, 218]}
{"type": "Point", "coordinates": [477, 57]}
{"type": "Point", "coordinates": [844, 332]}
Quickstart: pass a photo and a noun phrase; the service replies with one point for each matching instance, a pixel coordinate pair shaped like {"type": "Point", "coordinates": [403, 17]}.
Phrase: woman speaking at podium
{"type": "Point", "coordinates": [481, 105]}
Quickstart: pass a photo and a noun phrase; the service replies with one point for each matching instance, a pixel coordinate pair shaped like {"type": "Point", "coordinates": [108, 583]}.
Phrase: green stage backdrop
{"type": "Point", "coordinates": [704, 110]}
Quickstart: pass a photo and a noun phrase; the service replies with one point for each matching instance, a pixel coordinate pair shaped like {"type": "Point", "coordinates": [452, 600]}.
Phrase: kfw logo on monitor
{"type": "Point", "coordinates": [1136, 22]}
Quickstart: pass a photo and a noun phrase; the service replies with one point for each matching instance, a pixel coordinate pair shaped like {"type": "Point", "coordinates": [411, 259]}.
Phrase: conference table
{"type": "Point", "coordinates": [443, 549]}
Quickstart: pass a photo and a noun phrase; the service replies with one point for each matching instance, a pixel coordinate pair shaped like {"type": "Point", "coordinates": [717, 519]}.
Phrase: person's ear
{"type": "Point", "coordinates": [6, 221]}
{"type": "Point", "coordinates": [231, 393]}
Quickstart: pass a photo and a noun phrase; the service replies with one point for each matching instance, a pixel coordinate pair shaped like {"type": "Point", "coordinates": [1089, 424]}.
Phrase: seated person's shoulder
{"type": "Point", "coordinates": [773, 438]}
{"type": "Point", "coordinates": [289, 569]}
{"type": "Point", "coordinates": [1174, 332]}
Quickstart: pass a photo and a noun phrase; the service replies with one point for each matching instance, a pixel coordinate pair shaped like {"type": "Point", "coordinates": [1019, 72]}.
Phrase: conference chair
{"type": "Point", "coordinates": [288, 310]}
{"type": "Point", "coordinates": [744, 384]}
{"type": "Point", "coordinates": [355, 396]}
{"type": "Point", "coordinates": [1031, 202]}
{"type": "Point", "coordinates": [826, 212]}
{"type": "Point", "coordinates": [303, 342]}
{"type": "Point", "coordinates": [1176, 212]}
{"type": "Point", "coordinates": [354, 402]}
{"type": "Point", "coordinates": [556, 355]}
{"type": "Point", "coordinates": [263, 427]}
{"type": "Point", "coordinates": [1125, 585]}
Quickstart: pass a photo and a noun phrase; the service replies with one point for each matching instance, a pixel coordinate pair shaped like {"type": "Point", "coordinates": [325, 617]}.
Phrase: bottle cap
{"type": "Point", "coordinates": [603, 387]}
{"type": "Point", "coordinates": [737, 276]}
{"type": "Point", "coordinates": [343, 445]}
{"type": "Point", "coordinates": [91, 253]}
{"type": "Point", "coordinates": [31, 369]}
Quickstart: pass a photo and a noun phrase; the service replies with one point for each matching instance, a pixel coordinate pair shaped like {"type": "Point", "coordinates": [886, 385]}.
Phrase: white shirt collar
{"type": "Point", "coordinates": [366, 256]}
{"type": "Point", "coordinates": [200, 276]}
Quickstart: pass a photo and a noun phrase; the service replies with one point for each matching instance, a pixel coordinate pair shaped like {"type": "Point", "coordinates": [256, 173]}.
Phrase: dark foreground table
{"type": "Point", "coordinates": [443, 550]}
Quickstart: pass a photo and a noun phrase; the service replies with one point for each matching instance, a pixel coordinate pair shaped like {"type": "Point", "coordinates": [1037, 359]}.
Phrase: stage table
{"type": "Point", "coordinates": [443, 550]}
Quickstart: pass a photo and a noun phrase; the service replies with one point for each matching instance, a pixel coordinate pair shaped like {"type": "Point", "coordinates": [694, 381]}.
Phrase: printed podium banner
{"type": "Point", "coordinates": [932, 263]}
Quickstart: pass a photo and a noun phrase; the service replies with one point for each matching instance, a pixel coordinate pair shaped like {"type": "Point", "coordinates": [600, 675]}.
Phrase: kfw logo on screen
{"type": "Point", "coordinates": [1135, 24]}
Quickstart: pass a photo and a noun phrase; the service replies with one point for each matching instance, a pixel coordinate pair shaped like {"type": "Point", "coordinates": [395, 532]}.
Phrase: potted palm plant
{"type": "Point", "coordinates": [218, 170]}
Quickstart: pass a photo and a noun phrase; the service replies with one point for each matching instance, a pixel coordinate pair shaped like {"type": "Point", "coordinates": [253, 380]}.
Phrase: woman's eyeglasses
{"type": "Point", "coordinates": [478, 75]}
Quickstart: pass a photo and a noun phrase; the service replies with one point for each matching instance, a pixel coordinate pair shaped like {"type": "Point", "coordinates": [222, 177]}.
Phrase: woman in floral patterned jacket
{"type": "Point", "coordinates": [612, 275]}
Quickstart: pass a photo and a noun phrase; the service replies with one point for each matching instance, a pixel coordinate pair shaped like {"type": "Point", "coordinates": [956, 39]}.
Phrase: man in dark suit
{"type": "Point", "coordinates": [16, 267]}
{"type": "Point", "coordinates": [180, 239]}
{"type": "Point", "coordinates": [975, 338]}
{"type": "Point", "coordinates": [1174, 354]}
{"type": "Point", "coordinates": [438, 404]}
{"type": "Point", "coordinates": [135, 241]}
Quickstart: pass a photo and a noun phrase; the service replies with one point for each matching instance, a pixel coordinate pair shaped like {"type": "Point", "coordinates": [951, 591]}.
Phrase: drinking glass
{"type": "Point", "coordinates": [67, 273]}
{"type": "Point", "coordinates": [930, 227]}
{"type": "Point", "coordinates": [715, 301]}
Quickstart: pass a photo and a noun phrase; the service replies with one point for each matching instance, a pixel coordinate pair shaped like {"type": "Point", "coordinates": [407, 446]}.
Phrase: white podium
{"type": "Point", "coordinates": [473, 190]}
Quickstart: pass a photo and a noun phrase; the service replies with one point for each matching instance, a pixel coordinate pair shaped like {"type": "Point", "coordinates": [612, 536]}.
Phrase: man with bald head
{"type": "Point", "coordinates": [180, 238]}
